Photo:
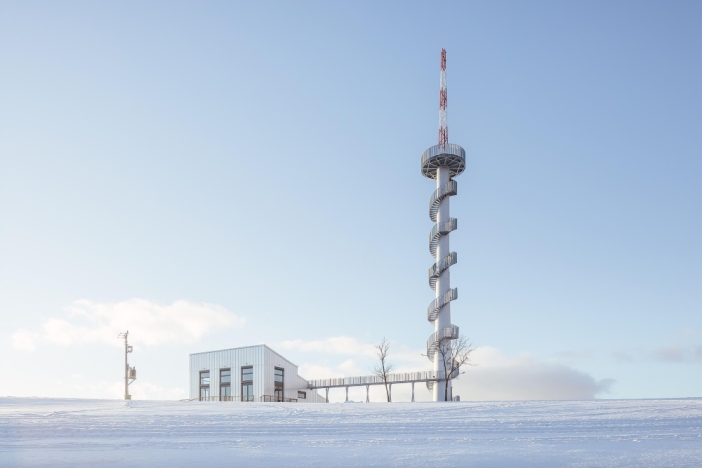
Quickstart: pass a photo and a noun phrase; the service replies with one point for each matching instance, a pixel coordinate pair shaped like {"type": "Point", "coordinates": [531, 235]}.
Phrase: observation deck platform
{"type": "Point", "coordinates": [449, 155]}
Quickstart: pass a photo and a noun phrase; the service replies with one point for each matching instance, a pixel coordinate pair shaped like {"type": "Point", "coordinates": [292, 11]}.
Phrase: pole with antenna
{"type": "Point", "coordinates": [442, 163]}
{"type": "Point", "coordinates": [129, 372]}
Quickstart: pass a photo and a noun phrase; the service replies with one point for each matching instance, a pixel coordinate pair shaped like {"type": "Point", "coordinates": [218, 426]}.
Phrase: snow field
{"type": "Point", "coordinates": [603, 433]}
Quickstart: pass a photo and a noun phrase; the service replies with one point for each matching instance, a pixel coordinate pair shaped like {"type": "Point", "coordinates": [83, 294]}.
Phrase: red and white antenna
{"type": "Point", "coordinates": [443, 126]}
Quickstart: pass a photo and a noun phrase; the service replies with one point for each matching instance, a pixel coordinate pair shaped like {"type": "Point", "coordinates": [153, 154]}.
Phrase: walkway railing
{"type": "Point", "coordinates": [245, 398]}
{"type": "Point", "coordinates": [407, 377]}
{"type": "Point", "coordinates": [277, 399]}
{"type": "Point", "coordinates": [224, 398]}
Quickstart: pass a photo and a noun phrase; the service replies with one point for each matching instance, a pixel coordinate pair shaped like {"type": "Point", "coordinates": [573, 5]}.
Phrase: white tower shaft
{"type": "Point", "coordinates": [443, 282]}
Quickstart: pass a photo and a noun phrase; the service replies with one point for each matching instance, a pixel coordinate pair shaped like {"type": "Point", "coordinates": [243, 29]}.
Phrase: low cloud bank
{"type": "Point", "coordinates": [679, 354]}
{"type": "Point", "coordinates": [525, 378]}
{"type": "Point", "coordinates": [149, 323]}
{"type": "Point", "coordinates": [78, 386]}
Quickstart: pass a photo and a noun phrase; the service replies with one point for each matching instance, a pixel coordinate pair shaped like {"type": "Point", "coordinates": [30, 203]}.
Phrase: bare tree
{"type": "Point", "coordinates": [453, 354]}
{"type": "Point", "coordinates": [383, 369]}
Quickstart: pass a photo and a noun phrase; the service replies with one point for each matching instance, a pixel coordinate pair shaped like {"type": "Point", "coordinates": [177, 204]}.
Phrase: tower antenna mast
{"type": "Point", "coordinates": [443, 98]}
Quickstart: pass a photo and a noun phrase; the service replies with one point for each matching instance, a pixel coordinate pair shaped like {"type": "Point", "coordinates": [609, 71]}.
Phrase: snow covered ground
{"type": "Point", "coordinates": [635, 433]}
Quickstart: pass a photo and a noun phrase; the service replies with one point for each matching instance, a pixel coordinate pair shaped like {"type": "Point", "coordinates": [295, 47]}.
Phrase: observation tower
{"type": "Point", "coordinates": [442, 163]}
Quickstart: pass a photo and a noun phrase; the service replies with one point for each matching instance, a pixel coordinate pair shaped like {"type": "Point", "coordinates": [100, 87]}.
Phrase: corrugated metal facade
{"type": "Point", "coordinates": [264, 361]}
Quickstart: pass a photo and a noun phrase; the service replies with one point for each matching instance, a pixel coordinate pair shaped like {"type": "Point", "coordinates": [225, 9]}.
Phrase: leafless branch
{"type": "Point", "coordinates": [452, 355]}
{"type": "Point", "coordinates": [383, 369]}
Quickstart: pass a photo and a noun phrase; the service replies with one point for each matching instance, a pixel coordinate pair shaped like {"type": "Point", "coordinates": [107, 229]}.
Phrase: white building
{"type": "Point", "coordinates": [251, 373]}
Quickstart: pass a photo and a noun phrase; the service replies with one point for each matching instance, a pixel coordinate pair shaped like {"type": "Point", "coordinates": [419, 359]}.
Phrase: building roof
{"type": "Point", "coordinates": [244, 347]}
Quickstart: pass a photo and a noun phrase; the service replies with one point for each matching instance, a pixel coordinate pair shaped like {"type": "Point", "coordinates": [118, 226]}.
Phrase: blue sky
{"type": "Point", "coordinates": [239, 173]}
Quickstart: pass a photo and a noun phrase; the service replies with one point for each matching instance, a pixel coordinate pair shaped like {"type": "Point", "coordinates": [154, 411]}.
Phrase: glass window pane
{"type": "Point", "coordinates": [225, 376]}
{"type": "Point", "coordinates": [204, 378]}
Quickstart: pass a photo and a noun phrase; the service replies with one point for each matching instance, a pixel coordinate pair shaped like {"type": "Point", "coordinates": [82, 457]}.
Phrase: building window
{"type": "Point", "coordinates": [278, 384]}
{"type": "Point", "coordinates": [225, 382]}
{"type": "Point", "coordinates": [247, 384]}
{"type": "Point", "coordinates": [302, 395]}
{"type": "Point", "coordinates": [204, 385]}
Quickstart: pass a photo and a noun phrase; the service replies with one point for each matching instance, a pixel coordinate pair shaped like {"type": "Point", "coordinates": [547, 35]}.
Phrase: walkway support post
{"type": "Point", "coordinates": [327, 397]}
{"type": "Point", "coordinates": [367, 399]}
{"type": "Point", "coordinates": [389, 393]}
{"type": "Point", "coordinates": [412, 392]}
{"type": "Point", "coordinates": [347, 394]}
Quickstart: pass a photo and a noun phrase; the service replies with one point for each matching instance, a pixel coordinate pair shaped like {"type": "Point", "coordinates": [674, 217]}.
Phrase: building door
{"type": "Point", "coordinates": [247, 384]}
{"type": "Point", "coordinates": [225, 393]}
{"type": "Point", "coordinates": [278, 391]}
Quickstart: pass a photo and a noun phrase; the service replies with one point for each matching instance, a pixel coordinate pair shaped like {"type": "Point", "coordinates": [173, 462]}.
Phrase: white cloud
{"type": "Point", "coordinates": [685, 347]}
{"type": "Point", "coordinates": [584, 355]}
{"type": "Point", "coordinates": [679, 354]}
{"type": "Point", "coordinates": [81, 387]}
{"type": "Point", "coordinates": [496, 377]}
{"type": "Point", "coordinates": [670, 353]}
{"type": "Point", "coordinates": [149, 323]}
{"type": "Point", "coordinates": [312, 371]}
{"type": "Point", "coordinates": [622, 356]}
{"type": "Point", "coordinates": [343, 345]}
{"type": "Point", "coordinates": [24, 339]}
{"type": "Point", "coordinates": [349, 367]}
{"type": "Point", "coordinates": [149, 391]}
